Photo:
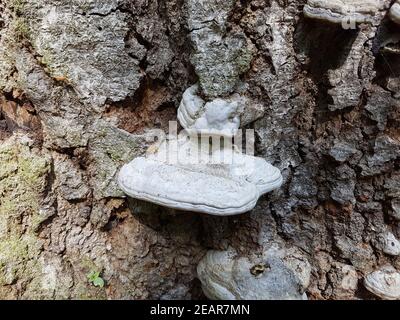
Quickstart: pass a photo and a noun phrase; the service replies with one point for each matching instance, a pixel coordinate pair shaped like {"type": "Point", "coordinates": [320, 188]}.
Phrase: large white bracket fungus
{"type": "Point", "coordinates": [184, 175]}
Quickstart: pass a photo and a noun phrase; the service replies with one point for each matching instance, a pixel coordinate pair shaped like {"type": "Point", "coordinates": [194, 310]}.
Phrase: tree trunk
{"type": "Point", "coordinates": [84, 82]}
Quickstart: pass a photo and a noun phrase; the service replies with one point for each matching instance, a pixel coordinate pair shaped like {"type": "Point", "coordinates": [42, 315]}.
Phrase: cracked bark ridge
{"type": "Point", "coordinates": [220, 56]}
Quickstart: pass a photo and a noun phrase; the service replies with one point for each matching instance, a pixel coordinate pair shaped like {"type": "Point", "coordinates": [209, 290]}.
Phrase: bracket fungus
{"type": "Point", "coordinates": [388, 243]}
{"type": "Point", "coordinates": [224, 275]}
{"type": "Point", "coordinates": [184, 175]}
{"type": "Point", "coordinates": [394, 12]}
{"type": "Point", "coordinates": [187, 173]}
{"type": "Point", "coordinates": [384, 283]}
{"type": "Point", "coordinates": [343, 11]}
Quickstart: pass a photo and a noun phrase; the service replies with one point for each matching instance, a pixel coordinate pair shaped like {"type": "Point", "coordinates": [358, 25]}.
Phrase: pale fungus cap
{"type": "Point", "coordinates": [337, 11]}
{"type": "Point", "coordinates": [394, 12]}
{"type": "Point", "coordinates": [173, 177]}
{"type": "Point", "coordinates": [388, 243]}
{"type": "Point", "coordinates": [384, 283]}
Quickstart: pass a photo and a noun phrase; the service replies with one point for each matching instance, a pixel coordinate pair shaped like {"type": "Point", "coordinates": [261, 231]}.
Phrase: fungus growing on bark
{"type": "Point", "coordinates": [343, 11]}
{"type": "Point", "coordinates": [394, 12]}
{"type": "Point", "coordinates": [388, 243]}
{"type": "Point", "coordinates": [227, 276]}
{"type": "Point", "coordinates": [185, 176]}
{"type": "Point", "coordinates": [384, 283]}
{"type": "Point", "coordinates": [218, 117]}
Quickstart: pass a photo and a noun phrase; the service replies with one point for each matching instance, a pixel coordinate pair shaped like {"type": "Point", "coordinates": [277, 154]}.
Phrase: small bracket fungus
{"type": "Point", "coordinates": [384, 283]}
{"type": "Point", "coordinates": [394, 12]}
{"type": "Point", "coordinates": [345, 12]}
{"type": "Point", "coordinates": [388, 243]}
{"type": "Point", "coordinates": [226, 276]}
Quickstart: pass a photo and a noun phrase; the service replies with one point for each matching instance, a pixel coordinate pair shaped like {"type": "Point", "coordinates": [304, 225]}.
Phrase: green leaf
{"type": "Point", "coordinates": [98, 282]}
{"type": "Point", "coordinates": [93, 275]}
{"type": "Point", "coordinates": [95, 279]}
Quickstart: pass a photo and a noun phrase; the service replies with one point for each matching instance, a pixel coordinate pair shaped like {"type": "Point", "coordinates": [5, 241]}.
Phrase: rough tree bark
{"type": "Point", "coordinates": [82, 82]}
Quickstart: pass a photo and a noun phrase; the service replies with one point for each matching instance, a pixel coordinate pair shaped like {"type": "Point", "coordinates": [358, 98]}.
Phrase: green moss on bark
{"type": "Point", "coordinates": [23, 180]}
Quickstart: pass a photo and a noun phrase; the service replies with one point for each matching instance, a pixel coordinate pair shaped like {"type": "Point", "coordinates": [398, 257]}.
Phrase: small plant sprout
{"type": "Point", "coordinates": [95, 279]}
